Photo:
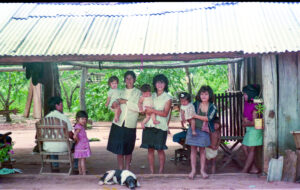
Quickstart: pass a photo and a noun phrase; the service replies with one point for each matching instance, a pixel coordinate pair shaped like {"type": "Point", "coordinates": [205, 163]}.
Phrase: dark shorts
{"type": "Point", "coordinates": [154, 138]}
{"type": "Point", "coordinates": [121, 140]}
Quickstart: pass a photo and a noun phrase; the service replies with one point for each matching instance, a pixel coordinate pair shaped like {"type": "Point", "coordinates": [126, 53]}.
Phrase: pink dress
{"type": "Point", "coordinates": [82, 148]}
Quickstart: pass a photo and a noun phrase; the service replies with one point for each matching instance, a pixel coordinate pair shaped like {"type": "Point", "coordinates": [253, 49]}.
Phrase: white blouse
{"type": "Point", "coordinates": [130, 110]}
{"type": "Point", "coordinates": [189, 111]}
{"type": "Point", "coordinates": [159, 104]}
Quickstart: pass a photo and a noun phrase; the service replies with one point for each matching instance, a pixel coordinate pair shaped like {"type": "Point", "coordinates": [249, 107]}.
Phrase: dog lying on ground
{"type": "Point", "coordinates": [122, 177]}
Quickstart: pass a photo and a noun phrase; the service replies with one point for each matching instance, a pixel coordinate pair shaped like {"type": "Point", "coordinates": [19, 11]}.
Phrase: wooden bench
{"type": "Point", "coordinates": [52, 129]}
{"type": "Point", "coordinates": [230, 112]}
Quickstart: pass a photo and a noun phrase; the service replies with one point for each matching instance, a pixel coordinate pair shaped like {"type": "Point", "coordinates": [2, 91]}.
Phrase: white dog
{"type": "Point", "coordinates": [122, 177]}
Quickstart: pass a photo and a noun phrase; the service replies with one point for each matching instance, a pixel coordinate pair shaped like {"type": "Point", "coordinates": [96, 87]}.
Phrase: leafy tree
{"type": "Point", "coordinates": [12, 84]}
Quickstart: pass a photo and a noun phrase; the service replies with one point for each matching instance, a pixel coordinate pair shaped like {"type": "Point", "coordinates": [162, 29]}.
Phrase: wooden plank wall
{"type": "Point", "coordinates": [270, 96]}
{"type": "Point", "coordinates": [247, 72]}
{"type": "Point", "coordinates": [288, 100]}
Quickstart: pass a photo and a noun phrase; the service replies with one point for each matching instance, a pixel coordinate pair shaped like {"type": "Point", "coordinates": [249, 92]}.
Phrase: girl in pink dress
{"type": "Point", "coordinates": [82, 147]}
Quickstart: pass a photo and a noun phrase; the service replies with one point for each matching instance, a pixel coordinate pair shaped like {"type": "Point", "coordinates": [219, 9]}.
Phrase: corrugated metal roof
{"type": "Point", "coordinates": [57, 29]}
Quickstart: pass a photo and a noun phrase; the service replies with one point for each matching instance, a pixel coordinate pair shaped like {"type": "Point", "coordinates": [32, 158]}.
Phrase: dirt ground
{"type": "Point", "coordinates": [175, 177]}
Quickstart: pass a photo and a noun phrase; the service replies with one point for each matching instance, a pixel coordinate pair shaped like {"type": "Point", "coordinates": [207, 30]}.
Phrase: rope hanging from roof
{"type": "Point", "coordinates": [141, 62]}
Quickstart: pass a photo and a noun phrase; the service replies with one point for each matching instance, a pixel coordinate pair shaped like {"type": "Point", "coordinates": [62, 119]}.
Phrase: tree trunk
{"type": "Point", "coordinates": [82, 88]}
{"type": "Point", "coordinates": [187, 73]}
{"type": "Point", "coordinates": [7, 115]}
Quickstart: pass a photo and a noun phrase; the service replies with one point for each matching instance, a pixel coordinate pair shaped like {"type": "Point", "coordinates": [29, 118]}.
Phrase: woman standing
{"type": "Point", "coordinates": [205, 115]}
{"type": "Point", "coordinates": [122, 134]}
{"type": "Point", "coordinates": [154, 136]}
{"type": "Point", "coordinates": [253, 137]}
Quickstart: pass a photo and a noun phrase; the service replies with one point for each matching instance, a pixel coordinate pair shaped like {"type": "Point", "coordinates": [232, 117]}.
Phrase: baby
{"type": "Point", "coordinates": [187, 110]}
{"type": "Point", "coordinates": [146, 100]}
{"type": "Point", "coordinates": [113, 94]}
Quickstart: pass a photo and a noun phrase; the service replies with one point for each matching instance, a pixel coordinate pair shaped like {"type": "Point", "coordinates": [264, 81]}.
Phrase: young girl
{"type": "Point", "coordinates": [146, 100]}
{"type": "Point", "coordinates": [82, 147]}
{"type": "Point", "coordinates": [113, 95]}
{"type": "Point", "coordinates": [205, 115]}
{"type": "Point", "coordinates": [187, 111]}
{"type": "Point", "coordinates": [253, 137]}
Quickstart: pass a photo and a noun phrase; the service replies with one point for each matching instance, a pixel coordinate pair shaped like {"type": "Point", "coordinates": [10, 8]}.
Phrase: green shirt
{"type": "Point", "coordinates": [130, 110]}
{"type": "Point", "coordinates": [159, 104]}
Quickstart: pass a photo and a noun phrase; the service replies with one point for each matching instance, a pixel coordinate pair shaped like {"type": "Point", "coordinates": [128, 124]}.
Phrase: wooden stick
{"type": "Point", "coordinates": [151, 65]}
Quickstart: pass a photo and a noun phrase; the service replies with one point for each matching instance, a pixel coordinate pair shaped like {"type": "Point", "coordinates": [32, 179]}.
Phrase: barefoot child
{"type": "Point", "coordinates": [82, 147]}
{"type": "Point", "coordinates": [146, 100]}
{"type": "Point", "coordinates": [205, 116]}
{"type": "Point", "coordinates": [187, 110]}
{"type": "Point", "coordinates": [114, 94]}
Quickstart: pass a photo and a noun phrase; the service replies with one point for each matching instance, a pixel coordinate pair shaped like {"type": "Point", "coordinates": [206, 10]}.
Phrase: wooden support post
{"type": "Point", "coordinates": [289, 166]}
{"type": "Point", "coordinates": [82, 88]}
{"type": "Point", "coordinates": [236, 76]}
{"type": "Point", "coordinates": [270, 94]}
{"type": "Point", "coordinates": [187, 73]}
{"type": "Point", "coordinates": [252, 70]}
{"type": "Point", "coordinates": [231, 81]}
{"type": "Point", "coordinates": [242, 75]}
{"type": "Point", "coordinates": [37, 103]}
{"type": "Point", "coordinates": [29, 100]}
{"type": "Point", "coordinates": [288, 117]}
{"type": "Point", "coordinates": [298, 165]}
{"type": "Point", "coordinates": [246, 76]}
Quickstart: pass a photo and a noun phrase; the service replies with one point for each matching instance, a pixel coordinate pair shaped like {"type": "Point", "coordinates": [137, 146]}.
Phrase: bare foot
{"type": "Point", "coordinates": [156, 122]}
{"type": "Point", "coordinates": [192, 175]}
{"type": "Point", "coordinates": [204, 175]}
{"type": "Point", "coordinates": [254, 171]}
{"type": "Point", "coordinates": [194, 133]}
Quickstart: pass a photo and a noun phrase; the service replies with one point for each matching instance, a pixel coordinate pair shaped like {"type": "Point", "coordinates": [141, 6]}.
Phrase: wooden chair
{"type": "Point", "coordinates": [8, 163]}
{"type": "Point", "coordinates": [183, 153]}
{"type": "Point", "coordinates": [52, 129]}
{"type": "Point", "coordinates": [230, 112]}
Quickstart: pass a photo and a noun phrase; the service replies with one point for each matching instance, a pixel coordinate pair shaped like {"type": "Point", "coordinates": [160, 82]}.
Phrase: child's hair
{"type": "Point", "coordinates": [81, 113]}
{"type": "Point", "coordinates": [146, 88]}
{"type": "Point", "coordinates": [112, 79]}
{"type": "Point", "coordinates": [252, 90]}
{"type": "Point", "coordinates": [208, 89]}
{"type": "Point", "coordinates": [185, 95]}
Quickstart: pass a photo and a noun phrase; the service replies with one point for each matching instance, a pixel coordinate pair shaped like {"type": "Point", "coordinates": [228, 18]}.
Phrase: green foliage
{"type": "Point", "coordinates": [260, 109]}
{"type": "Point", "coordinates": [18, 92]}
{"type": "Point", "coordinates": [96, 93]}
{"type": "Point", "coordinates": [94, 139]}
{"type": "Point", "coordinates": [4, 152]}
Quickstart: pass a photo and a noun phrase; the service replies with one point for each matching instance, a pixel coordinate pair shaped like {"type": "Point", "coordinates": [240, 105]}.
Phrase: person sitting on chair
{"type": "Point", "coordinates": [56, 110]}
